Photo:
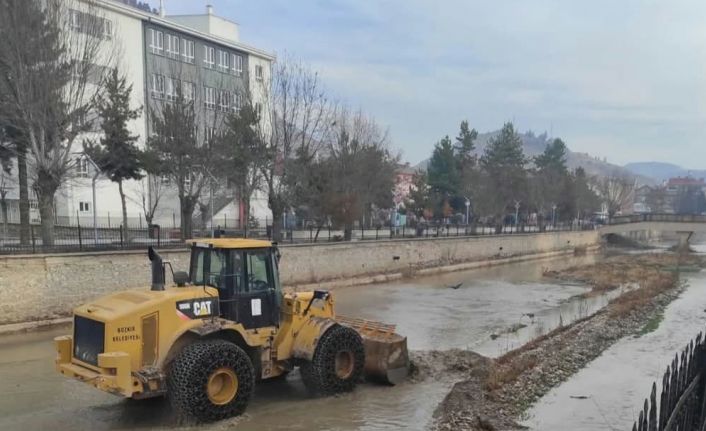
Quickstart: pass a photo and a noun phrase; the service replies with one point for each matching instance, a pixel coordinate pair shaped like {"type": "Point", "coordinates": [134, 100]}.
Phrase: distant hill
{"type": "Point", "coordinates": [535, 144]}
{"type": "Point", "coordinates": [662, 171]}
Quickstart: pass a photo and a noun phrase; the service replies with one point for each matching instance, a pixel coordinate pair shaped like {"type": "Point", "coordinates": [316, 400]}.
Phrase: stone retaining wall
{"type": "Point", "coordinates": [40, 287]}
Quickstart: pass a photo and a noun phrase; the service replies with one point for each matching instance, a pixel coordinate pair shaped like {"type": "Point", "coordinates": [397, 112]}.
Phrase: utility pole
{"type": "Point", "coordinates": [213, 233]}
{"type": "Point", "coordinates": [93, 187]}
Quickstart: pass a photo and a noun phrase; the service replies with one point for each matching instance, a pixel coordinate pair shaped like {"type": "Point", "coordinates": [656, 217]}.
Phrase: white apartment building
{"type": "Point", "coordinates": [202, 53]}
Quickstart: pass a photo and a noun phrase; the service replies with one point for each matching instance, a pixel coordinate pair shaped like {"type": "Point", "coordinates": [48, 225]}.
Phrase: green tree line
{"type": "Point", "coordinates": [502, 182]}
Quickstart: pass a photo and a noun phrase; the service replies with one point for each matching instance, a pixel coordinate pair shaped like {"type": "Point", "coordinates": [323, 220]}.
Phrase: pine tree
{"type": "Point", "coordinates": [553, 157]}
{"type": "Point", "coordinates": [116, 154]}
{"type": "Point", "coordinates": [466, 162]}
{"type": "Point", "coordinates": [465, 147]}
{"type": "Point", "coordinates": [504, 176]}
{"type": "Point", "coordinates": [551, 182]}
{"type": "Point", "coordinates": [442, 174]}
{"type": "Point", "coordinates": [242, 155]}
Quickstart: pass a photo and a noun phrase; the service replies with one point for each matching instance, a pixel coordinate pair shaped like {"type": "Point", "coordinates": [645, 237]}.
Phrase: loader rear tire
{"type": "Point", "coordinates": [337, 365]}
{"type": "Point", "coordinates": [209, 381]}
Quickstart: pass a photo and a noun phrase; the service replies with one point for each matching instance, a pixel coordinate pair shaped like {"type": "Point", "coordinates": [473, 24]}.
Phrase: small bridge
{"type": "Point", "coordinates": [684, 225]}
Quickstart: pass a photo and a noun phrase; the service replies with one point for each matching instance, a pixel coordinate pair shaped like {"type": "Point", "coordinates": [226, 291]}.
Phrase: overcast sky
{"type": "Point", "coordinates": [618, 79]}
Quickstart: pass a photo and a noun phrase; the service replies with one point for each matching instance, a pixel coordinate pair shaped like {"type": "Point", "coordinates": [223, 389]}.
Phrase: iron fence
{"type": "Point", "coordinates": [682, 401]}
{"type": "Point", "coordinates": [77, 238]}
{"type": "Point", "coordinates": [73, 238]}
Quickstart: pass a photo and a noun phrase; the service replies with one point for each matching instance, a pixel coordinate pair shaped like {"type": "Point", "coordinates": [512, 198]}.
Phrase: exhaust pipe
{"type": "Point", "coordinates": [157, 269]}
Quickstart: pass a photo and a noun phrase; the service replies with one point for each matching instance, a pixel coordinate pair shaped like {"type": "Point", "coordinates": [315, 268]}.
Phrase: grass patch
{"type": "Point", "coordinates": [652, 324]}
{"type": "Point", "coordinates": [504, 373]}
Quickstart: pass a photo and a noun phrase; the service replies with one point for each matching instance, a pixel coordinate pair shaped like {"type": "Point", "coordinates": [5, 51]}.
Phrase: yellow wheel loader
{"type": "Point", "coordinates": [224, 325]}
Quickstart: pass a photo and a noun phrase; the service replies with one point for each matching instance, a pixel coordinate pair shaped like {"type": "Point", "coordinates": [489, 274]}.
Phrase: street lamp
{"type": "Point", "coordinates": [517, 213]}
{"type": "Point", "coordinates": [468, 206]}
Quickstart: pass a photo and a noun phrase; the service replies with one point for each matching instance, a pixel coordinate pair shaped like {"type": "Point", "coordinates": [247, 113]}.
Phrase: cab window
{"type": "Point", "coordinates": [236, 270]}
{"type": "Point", "coordinates": [208, 267]}
{"type": "Point", "coordinates": [259, 271]}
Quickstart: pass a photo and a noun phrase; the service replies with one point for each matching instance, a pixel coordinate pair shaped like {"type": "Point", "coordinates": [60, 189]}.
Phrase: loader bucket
{"type": "Point", "coordinates": [386, 355]}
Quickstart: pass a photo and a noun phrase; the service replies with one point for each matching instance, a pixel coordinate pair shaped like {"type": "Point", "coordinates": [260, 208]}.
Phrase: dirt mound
{"type": "Point", "coordinates": [433, 364]}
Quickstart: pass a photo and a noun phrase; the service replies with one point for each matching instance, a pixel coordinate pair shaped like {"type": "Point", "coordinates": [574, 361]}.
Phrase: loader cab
{"type": "Point", "coordinates": [246, 275]}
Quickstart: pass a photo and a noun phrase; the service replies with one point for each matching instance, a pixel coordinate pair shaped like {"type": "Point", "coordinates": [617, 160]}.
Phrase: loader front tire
{"type": "Point", "coordinates": [209, 381]}
{"type": "Point", "coordinates": [337, 365]}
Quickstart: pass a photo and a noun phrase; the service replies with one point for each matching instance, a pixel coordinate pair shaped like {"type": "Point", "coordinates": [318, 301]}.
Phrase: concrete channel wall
{"type": "Point", "coordinates": [44, 287]}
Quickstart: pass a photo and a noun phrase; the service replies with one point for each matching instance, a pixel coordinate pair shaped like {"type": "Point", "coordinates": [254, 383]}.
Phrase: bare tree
{"type": "Point", "coordinates": [616, 192]}
{"type": "Point", "coordinates": [185, 136]}
{"type": "Point", "coordinates": [149, 196]}
{"type": "Point", "coordinates": [361, 168]}
{"type": "Point", "coordinates": [656, 199]}
{"type": "Point", "coordinates": [53, 54]}
{"type": "Point", "coordinates": [296, 117]}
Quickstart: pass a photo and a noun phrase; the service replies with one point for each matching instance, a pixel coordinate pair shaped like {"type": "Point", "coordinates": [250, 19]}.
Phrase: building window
{"type": "Point", "coordinates": [187, 181]}
{"type": "Point", "coordinates": [172, 87]}
{"type": "Point", "coordinates": [237, 102]}
{"type": "Point", "coordinates": [223, 61]}
{"type": "Point", "coordinates": [187, 50]}
{"type": "Point", "coordinates": [237, 65]}
{"type": "Point", "coordinates": [210, 133]}
{"type": "Point", "coordinates": [188, 90]}
{"type": "Point", "coordinates": [157, 86]}
{"type": "Point", "coordinates": [172, 46]}
{"type": "Point", "coordinates": [90, 24]}
{"type": "Point", "coordinates": [75, 19]}
{"type": "Point", "coordinates": [107, 29]}
{"type": "Point", "coordinates": [209, 95]}
{"type": "Point", "coordinates": [224, 100]}
{"type": "Point", "coordinates": [82, 167]}
{"type": "Point", "coordinates": [156, 42]}
{"type": "Point", "coordinates": [258, 72]}
{"type": "Point", "coordinates": [209, 56]}
{"type": "Point", "coordinates": [84, 207]}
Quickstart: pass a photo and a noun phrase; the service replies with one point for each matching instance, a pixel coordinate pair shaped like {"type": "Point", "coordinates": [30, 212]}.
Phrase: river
{"type": "Point", "coordinates": [609, 393]}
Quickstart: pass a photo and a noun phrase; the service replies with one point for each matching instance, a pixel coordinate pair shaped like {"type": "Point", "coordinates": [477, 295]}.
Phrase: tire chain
{"type": "Point", "coordinates": [319, 375]}
{"type": "Point", "coordinates": [188, 377]}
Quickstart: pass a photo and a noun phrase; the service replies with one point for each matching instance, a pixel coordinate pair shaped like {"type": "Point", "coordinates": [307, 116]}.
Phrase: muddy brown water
{"type": "Point", "coordinates": [432, 315]}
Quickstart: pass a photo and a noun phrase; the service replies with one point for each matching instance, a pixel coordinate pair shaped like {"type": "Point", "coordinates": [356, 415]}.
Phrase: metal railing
{"type": "Point", "coordinates": [682, 401]}
{"type": "Point", "coordinates": [79, 238]}
{"type": "Point", "coordinates": [671, 218]}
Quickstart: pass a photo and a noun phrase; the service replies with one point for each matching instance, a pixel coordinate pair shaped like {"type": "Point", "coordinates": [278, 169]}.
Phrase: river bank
{"type": "Point", "coordinates": [39, 289]}
{"type": "Point", "coordinates": [494, 393]}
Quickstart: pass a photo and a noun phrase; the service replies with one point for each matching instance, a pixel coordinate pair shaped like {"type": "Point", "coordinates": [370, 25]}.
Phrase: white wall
{"type": "Point", "coordinates": [126, 52]}
{"type": "Point", "coordinates": [128, 40]}
{"type": "Point", "coordinates": [209, 24]}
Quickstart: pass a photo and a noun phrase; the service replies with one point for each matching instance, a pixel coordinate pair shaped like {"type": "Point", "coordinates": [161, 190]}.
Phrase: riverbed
{"type": "Point", "coordinates": [610, 391]}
